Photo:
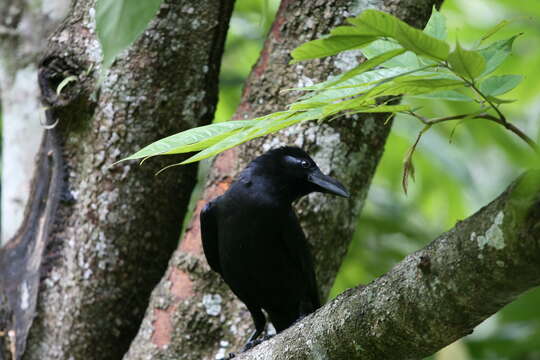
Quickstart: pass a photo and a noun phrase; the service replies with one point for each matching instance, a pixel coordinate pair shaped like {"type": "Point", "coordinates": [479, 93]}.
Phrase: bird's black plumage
{"type": "Point", "coordinates": [252, 238]}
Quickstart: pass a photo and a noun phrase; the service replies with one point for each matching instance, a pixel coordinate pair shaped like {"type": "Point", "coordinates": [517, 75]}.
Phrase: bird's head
{"type": "Point", "coordinates": [296, 172]}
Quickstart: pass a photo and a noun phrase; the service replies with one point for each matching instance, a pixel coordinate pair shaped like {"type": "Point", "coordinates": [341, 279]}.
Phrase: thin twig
{"type": "Point", "coordinates": [513, 129]}
{"type": "Point", "coordinates": [473, 86]}
{"type": "Point", "coordinates": [501, 121]}
{"type": "Point", "coordinates": [408, 166]}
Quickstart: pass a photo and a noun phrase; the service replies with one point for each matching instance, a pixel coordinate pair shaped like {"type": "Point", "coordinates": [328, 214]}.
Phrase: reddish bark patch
{"type": "Point", "coordinates": [181, 284]}
{"type": "Point", "coordinates": [275, 37]}
{"type": "Point", "coordinates": [280, 19]}
{"type": "Point", "coordinates": [162, 327]}
{"type": "Point", "coordinates": [259, 70]}
{"type": "Point", "coordinates": [181, 289]}
{"type": "Point", "coordinates": [263, 60]}
{"type": "Point", "coordinates": [225, 162]}
{"type": "Point", "coordinates": [243, 111]}
{"type": "Point", "coordinates": [191, 243]}
{"type": "Point", "coordinates": [222, 186]}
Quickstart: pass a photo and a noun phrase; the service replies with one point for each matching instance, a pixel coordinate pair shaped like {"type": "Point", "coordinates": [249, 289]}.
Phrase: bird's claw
{"type": "Point", "coordinates": [267, 337]}
{"type": "Point", "coordinates": [256, 342]}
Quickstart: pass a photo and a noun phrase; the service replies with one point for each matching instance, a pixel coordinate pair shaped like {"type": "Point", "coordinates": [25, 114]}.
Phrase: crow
{"type": "Point", "coordinates": [252, 238]}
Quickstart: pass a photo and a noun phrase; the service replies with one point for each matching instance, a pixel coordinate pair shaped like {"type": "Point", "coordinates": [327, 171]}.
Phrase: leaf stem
{"type": "Point", "coordinates": [501, 121]}
{"type": "Point", "coordinates": [493, 106]}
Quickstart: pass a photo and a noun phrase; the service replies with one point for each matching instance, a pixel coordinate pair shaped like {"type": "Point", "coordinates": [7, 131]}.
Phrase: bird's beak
{"type": "Point", "coordinates": [327, 184]}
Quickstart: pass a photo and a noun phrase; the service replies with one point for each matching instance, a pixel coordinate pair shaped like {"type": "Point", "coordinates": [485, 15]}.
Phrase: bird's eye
{"type": "Point", "coordinates": [305, 164]}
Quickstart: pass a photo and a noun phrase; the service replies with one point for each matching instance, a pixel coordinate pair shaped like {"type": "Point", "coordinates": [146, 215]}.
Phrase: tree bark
{"type": "Point", "coordinates": [100, 236]}
{"type": "Point", "coordinates": [435, 295]}
{"type": "Point", "coordinates": [192, 314]}
{"type": "Point", "coordinates": [24, 28]}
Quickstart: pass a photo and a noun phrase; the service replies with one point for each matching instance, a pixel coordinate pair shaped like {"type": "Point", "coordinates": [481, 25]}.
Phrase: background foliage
{"type": "Point", "coordinates": [452, 179]}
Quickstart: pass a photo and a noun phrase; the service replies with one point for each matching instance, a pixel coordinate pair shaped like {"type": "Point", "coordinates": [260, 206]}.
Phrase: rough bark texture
{"type": "Point", "coordinates": [192, 314]}
{"type": "Point", "coordinates": [435, 295]}
{"type": "Point", "coordinates": [24, 28]}
{"type": "Point", "coordinates": [115, 227]}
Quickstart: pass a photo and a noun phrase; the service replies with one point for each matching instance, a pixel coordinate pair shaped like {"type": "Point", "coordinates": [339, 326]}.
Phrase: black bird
{"type": "Point", "coordinates": [252, 238]}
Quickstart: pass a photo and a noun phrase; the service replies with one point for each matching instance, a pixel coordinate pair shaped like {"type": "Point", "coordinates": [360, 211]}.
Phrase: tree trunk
{"type": "Point", "coordinates": [192, 314]}
{"type": "Point", "coordinates": [24, 28]}
{"type": "Point", "coordinates": [100, 236]}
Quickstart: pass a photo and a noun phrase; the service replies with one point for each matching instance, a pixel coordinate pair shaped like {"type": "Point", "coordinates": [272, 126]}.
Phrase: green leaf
{"type": "Point", "coordinates": [267, 126]}
{"type": "Point", "coordinates": [306, 105]}
{"type": "Point", "coordinates": [346, 105]}
{"type": "Point", "coordinates": [225, 144]}
{"type": "Point", "coordinates": [436, 25]}
{"type": "Point", "coordinates": [448, 95]}
{"type": "Point", "coordinates": [498, 85]}
{"type": "Point", "coordinates": [120, 22]}
{"type": "Point", "coordinates": [378, 47]}
{"type": "Point", "coordinates": [358, 84]}
{"type": "Point", "coordinates": [407, 86]}
{"type": "Point", "coordinates": [496, 28]}
{"type": "Point", "coordinates": [380, 24]}
{"type": "Point", "coordinates": [348, 88]}
{"type": "Point", "coordinates": [192, 139]}
{"type": "Point", "coordinates": [292, 119]}
{"type": "Point", "coordinates": [467, 63]}
{"type": "Point", "coordinates": [348, 30]}
{"type": "Point", "coordinates": [355, 81]}
{"type": "Point", "coordinates": [399, 84]}
{"type": "Point", "coordinates": [366, 65]}
{"type": "Point", "coordinates": [496, 53]}
{"type": "Point", "coordinates": [331, 45]}
{"type": "Point", "coordinates": [383, 109]}
{"type": "Point", "coordinates": [497, 100]}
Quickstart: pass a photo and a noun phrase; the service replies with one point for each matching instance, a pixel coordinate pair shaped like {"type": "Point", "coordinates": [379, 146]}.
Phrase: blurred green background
{"type": "Point", "coordinates": [453, 179]}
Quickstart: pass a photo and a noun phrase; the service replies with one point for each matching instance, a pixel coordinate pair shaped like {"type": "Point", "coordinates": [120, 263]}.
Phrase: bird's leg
{"type": "Point", "coordinates": [266, 337]}
{"type": "Point", "coordinates": [260, 321]}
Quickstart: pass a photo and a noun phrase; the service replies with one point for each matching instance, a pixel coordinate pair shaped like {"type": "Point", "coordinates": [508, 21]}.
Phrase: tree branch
{"type": "Point", "coordinates": [435, 295]}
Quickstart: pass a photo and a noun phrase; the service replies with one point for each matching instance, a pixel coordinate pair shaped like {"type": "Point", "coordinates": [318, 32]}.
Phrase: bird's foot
{"type": "Point", "coordinates": [300, 318]}
{"type": "Point", "coordinates": [251, 344]}
{"type": "Point", "coordinates": [267, 337]}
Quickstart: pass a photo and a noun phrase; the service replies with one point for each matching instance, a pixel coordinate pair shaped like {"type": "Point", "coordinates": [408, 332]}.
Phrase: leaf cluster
{"type": "Point", "coordinates": [400, 61]}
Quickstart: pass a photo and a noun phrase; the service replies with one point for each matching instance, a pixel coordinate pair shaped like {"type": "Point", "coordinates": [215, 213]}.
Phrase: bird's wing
{"type": "Point", "coordinates": [209, 235]}
{"type": "Point", "coordinates": [299, 246]}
